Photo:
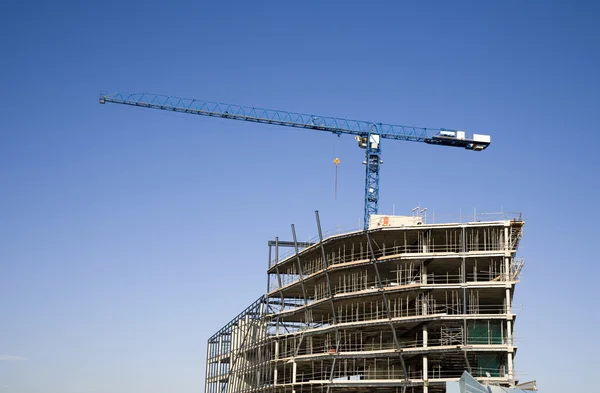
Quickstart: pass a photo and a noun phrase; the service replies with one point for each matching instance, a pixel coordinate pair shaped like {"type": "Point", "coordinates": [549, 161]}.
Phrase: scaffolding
{"type": "Point", "coordinates": [397, 309]}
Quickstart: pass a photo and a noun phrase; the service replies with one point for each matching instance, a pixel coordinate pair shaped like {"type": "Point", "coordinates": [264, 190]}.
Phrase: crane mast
{"type": "Point", "coordinates": [368, 134]}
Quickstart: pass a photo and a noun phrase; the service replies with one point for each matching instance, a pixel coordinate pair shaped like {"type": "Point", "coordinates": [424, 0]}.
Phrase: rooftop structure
{"type": "Point", "coordinates": [405, 306]}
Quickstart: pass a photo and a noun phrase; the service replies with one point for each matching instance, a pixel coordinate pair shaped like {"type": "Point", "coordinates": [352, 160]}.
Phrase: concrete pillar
{"type": "Point", "coordinates": [276, 357]}
{"type": "Point", "coordinates": [508, 302]}
{"type": "Point", "coordinates": [423, 273]}
{"type": "Point", "coordinates": [506, 268]}
{"type": "Point", "coordinates": [509, 341]}
{"type": "Point", "coordinates": [506, 241]}
{"type": "Point", "coordinates": [425, 361]}
{"type": "Point", "coordinates": [425, 375]}
{"type": "Point", "coordinates": [294, 372]}
{"type": "Point", "coordinates": [510, 368]}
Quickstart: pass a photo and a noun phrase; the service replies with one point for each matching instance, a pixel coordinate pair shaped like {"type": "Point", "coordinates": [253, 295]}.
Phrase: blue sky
{"type": "Point", "coordinates": [125, 230]}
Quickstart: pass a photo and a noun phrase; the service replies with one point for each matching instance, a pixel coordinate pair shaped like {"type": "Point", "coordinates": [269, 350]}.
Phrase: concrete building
{"type": "Point", "coordinates": [403, 307]}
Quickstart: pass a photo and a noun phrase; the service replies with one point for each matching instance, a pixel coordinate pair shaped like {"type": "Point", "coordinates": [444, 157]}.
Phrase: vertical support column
{"type": "Point", "coordinates": [219, 352]}
{"type": "Point", "coordinates": [463, 269]}
{"type": "Point", "coordinates": [508, 302]}
{"type": "Point", "coordinates": [510, 368]}
{"type": "Point", "coordinates": [276, 357]}
{"type": "Point", "coordinates": [206, 388]}
{"type": "Point", "coordinates": [423, 273]}
{"type": "Point", "coordinates": [425, 361]}
{"type": "Point", "coordinates": [509, 342]}
{"type": "Point", "coordinates": [463, 282]}
{"type": "Point", "coordinates": [233, 357]}
{"type": "Point", "coordinates": [425, 375]}
{"type": "Point", "coordinates": [294, 367]}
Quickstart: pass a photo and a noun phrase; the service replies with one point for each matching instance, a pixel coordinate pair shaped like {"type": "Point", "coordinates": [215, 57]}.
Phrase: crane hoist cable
{"type": "Point", "coordinates": [336, 161]}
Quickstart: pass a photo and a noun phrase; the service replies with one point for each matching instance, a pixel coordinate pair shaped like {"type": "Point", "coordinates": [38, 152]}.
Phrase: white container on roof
{"type": "Point", "coordinates": [387, 221]}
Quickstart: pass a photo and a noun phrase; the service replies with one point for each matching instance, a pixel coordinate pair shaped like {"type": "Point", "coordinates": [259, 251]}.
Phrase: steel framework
{"type": "Point", "coordinates": [393, 309]}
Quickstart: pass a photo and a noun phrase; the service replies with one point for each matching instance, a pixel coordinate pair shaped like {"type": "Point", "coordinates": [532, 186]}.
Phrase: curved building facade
{"type": "Point", "coordinates": [403, 307]}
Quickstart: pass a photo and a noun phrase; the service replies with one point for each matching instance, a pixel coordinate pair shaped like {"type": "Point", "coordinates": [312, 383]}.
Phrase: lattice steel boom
{"type": "Point", "coordinates": [368, 134]}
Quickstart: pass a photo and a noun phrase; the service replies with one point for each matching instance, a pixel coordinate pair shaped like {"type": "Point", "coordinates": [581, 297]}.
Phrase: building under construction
{"type": "Point", "coordinates": [402, 307]}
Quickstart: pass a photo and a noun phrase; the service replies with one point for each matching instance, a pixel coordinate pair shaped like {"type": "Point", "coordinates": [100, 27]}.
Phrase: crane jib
{"type": "Point", "coordinates": [367, 133]}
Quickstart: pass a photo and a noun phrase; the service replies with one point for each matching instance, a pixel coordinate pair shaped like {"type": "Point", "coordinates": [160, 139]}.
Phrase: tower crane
{"type": "Point", "coordinates": [368, 134]}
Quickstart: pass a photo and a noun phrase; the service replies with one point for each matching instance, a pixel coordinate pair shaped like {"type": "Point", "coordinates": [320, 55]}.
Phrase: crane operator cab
{"type": "Point", "coordinates": [373, 140]}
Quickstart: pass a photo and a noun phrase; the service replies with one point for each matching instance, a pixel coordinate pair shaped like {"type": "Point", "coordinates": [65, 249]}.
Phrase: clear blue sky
{"type": "Point", "coordinates": [129, 236]}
